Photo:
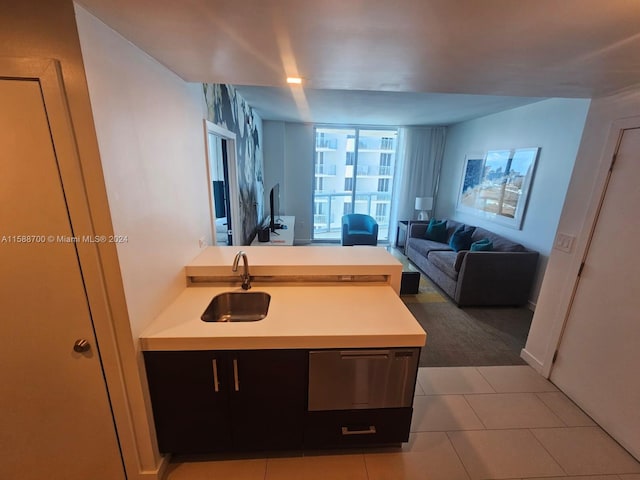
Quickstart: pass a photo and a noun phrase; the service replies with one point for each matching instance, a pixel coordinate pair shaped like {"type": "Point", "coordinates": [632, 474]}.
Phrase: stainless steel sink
{"type": "Point", "coordinates": [237, 307]}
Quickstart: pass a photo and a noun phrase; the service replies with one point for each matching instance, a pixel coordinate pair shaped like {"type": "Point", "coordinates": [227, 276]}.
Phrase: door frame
{"type": "Point", "coordinates": [583, 239]}
{"type": "Point", "coordinates": [211, 128]}
{"type": "Point", "coordinates": [89, 215]}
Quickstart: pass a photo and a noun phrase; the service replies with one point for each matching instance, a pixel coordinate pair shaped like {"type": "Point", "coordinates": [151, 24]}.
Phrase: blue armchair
{"type": "Point", "coordinates": [359, 229]}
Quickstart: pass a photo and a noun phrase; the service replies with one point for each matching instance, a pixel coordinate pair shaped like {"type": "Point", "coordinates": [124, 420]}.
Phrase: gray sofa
{"type": "Point", "coordinates": [502, 276]}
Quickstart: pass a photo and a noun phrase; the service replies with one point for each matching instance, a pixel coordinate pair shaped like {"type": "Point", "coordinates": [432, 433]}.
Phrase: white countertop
{"type": "Point", "coordinates": [298, 317]}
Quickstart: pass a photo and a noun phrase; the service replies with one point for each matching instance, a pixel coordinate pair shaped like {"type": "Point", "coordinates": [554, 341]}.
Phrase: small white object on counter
{"type": "Point", "coordinates": [299, 317]}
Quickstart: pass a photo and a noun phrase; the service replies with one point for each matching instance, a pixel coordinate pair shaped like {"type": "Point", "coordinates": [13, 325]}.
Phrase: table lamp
{"type": "Point", "coordinates": [424, 204]}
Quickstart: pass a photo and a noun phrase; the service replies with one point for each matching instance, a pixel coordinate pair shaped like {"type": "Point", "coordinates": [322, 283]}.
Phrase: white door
{"type": "Point", "coordinates": [598, 360]}
{"type": "Point", "coordinates": [56, 420]}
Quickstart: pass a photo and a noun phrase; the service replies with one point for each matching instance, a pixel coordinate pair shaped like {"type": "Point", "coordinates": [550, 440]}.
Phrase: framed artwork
{"type": "Point", "coordinates": [496, 186]}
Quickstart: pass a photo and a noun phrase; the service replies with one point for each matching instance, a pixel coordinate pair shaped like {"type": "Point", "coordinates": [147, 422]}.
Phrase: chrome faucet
{"type": "Point", "coordinates": [246, 278]}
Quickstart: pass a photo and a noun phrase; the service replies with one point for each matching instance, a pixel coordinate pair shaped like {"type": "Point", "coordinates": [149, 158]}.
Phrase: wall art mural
{"type": "Point", "coordinates": [225, 107]}
{"type": "Point", "coordinates": [496, 185]}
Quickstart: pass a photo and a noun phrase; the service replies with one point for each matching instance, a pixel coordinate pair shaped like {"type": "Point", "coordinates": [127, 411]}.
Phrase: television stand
{"type": "Point", "coordinates": [280, 236]}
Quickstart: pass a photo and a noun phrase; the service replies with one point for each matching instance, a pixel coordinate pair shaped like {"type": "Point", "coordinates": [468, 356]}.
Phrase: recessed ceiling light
{"type": "Point", "coordinates": [294, 80]}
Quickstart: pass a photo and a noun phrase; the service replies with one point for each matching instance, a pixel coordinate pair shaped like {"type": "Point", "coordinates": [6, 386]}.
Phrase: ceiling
{"type": "Point", "coordinates": [376, 60]}
{"type": "Point", "coordinates": [358, 107]}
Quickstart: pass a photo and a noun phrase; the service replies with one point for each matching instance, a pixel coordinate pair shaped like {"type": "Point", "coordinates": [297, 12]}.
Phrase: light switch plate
{"type": "Point", "coordinates": [564, 242]}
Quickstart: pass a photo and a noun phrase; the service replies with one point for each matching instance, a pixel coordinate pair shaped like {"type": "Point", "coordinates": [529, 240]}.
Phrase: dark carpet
{"type": "Point", "coordinates": [480, 336]}
{"type": "Point", "coordinates": [465, 337]}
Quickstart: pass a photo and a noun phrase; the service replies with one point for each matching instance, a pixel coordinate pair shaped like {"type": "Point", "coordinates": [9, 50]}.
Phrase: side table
{"type": "Point", "coordinates": [402, 233]}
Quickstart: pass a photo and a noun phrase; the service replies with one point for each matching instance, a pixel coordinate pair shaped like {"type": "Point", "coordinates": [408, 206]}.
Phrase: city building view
{"type": "Point", "coordinates": [354, 169]}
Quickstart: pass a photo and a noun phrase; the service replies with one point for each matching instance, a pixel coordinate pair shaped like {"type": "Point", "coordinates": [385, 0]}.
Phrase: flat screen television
{"type": "Point", "coordinates": [274, 208]}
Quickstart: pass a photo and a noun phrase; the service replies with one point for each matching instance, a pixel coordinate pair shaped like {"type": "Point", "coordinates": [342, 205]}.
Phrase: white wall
{"type": "Point", "coordinates": [150, 131]}
{"type": "Point", "coordinates": [576, 219]}
{"type": "Point", "coordinates": [555, 126]}
{"type": "Point", "coordinates": [288, 159]}
{"type": "Point", "coordinates": [149, 125]}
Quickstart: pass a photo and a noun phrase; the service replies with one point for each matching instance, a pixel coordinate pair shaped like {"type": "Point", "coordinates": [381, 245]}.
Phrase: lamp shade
{"type": "Point", "coordinates": [424, 203]}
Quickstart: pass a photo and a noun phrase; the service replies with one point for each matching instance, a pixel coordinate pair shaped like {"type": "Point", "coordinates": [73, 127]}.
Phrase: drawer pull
{"type": "Point", "coordinates": [364, 354]}
{"type": "Point", "coordinates": [216, 383]}
{"type": "Point", "coordinates": [236, 381]}
{"type": "Point", "coordinates": [369, 431]}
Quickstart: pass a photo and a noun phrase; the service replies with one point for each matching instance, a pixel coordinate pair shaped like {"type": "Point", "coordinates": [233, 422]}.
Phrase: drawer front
{"type": "Point", "coordinates": [344, 428]}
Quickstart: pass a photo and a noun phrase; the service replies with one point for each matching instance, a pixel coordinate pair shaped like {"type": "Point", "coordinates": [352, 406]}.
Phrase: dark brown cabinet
{"type": "Point", "coordinates": [215, 401]}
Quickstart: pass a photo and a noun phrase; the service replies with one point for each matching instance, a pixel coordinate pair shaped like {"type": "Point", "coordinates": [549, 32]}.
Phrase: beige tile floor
{"type": "Point", "coordinates": [469, 423]}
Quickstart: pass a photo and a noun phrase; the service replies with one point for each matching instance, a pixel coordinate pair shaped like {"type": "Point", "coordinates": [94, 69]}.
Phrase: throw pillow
{"type": "Point", "coordinates": [484, 245]}
{"type": "Point", "coordinates": [436, 231]}
{"type": "Point", "coordinates": [461, 238]}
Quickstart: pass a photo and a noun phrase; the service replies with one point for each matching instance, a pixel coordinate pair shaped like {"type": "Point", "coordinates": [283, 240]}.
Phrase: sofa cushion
{"type": "Point", "coordinates": [423, 246]}
{"type": "Point", "coordinates": [500, 244]}
{"type": "Point", "coordinates": [452, 226]}
{"type": "Point", "coordinates": [461, 238]}
{"type": "Point", "coordinates": [445, 261]}
{"type": "Point", "coordinates": [484, 245]}
{"type": "Point", "coordinates": [436, 231]}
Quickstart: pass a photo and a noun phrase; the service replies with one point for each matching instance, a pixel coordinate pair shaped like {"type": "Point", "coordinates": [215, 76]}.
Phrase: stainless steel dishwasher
{"type": "Point", "coordinates": [362, 378]}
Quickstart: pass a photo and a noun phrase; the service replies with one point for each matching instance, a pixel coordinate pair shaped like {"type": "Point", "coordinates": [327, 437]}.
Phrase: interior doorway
{"type": "Point", "coordinates": [223, 183]}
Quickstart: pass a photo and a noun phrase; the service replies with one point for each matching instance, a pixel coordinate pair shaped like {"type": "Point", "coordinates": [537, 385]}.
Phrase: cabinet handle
{"type": "Point", "coordinates": [216, 383]}
{"type": "Point", "coordinates": [235, 375]}
{"type": "Point", "coordinates": [364, 354]}
{"type": "Point", "coordinates": [369, 431]}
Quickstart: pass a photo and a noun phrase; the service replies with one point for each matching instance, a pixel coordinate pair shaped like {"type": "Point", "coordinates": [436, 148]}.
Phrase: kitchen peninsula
{"type": "Point", "coordinates": [338, 265]}
{"type": "Point", "coordinates": [298, 377]}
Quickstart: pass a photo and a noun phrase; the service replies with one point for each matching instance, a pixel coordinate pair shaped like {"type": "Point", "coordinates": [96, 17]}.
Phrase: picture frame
{"type": "Point", "coordinates": [496, 185]}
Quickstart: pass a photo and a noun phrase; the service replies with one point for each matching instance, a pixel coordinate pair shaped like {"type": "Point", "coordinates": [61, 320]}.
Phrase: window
{"type": "Point", "coordinates": [319, 163]}
{"type": "Point", "coordinates": [354, 170]}
{"type": "Point", "coordinates": [348, 184]}
{"type": "Point", "coordinates": [350, 158]}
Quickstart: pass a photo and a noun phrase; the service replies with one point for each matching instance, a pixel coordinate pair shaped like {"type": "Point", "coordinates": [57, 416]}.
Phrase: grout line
{"type": "Point", "coordinates": [537, 394]}
{"type": "Point", "coordinates": [366, 470]}
{"type": "Point", "coordinates": [546, 450]}
{"type": "Point", "coordinates": [466, 470]}
{"type": "Point", "coordinates": [473, 410]}
{"type": "Point", "coordinates": [486, 380]}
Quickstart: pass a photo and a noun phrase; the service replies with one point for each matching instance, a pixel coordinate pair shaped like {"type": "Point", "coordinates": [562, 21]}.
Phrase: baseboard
{"type": "Point", "coordinates": [158, 473]}
{"type": "Point", "coordinates": [531, 360]}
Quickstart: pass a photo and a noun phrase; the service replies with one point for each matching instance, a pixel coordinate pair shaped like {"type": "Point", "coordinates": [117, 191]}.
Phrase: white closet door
{"type": "Point", "coordinates": [56, 420]}
{"type": "Point", "coordinates": [598, 363]}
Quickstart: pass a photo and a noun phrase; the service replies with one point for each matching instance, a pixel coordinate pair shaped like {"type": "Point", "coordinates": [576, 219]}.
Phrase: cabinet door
{"type": "Point", "coordinates": [191, 409]}
{"type": "Point", "coordinates": [268, 400]}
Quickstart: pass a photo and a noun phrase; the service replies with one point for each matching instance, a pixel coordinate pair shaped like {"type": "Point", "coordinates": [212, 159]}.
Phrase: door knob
{"type": "Point", "coordinates": [81, 346]}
